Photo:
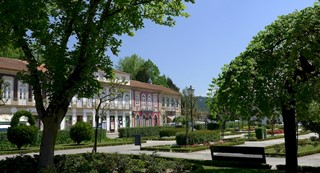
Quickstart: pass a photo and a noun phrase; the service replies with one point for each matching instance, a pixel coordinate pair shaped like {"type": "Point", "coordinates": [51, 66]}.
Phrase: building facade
{"type": "Point", "coordinates": [139, 104]}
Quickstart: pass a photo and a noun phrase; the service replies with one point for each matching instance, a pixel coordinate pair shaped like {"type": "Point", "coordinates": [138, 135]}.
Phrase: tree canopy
{"type": "Point", "coordinates": [65, 42]}
{"type": "Point", "coordinates": [144, 71]}
{"type": "Point", "coordinates": [278, 73]}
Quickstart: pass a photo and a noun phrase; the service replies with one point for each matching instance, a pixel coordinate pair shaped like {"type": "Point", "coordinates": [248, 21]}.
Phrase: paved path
{"type": "Point", "coordinates": [311, 160]}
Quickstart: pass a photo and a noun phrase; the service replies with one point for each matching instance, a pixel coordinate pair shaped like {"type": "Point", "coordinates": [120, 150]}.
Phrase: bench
{"type": "Point", "coordinates": [239, 154]}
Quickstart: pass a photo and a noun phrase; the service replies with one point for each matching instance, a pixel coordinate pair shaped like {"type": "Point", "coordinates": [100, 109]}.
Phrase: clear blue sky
{"type": "Point", "coordinates": [195, 50]}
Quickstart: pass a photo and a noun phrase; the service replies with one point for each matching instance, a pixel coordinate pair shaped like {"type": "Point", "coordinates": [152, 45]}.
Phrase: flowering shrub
{"type": "Point", "coordinates": [275, 131]}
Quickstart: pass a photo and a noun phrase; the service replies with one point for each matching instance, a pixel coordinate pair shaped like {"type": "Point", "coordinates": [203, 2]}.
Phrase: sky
{"type": "Point", "coordinates": [196, 48]}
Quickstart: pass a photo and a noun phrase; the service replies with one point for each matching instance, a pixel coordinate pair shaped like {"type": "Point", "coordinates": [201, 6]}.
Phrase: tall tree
{"type": "Point", "coordinates": [130, 64]}
{"type": "Point", "coordinates": [148, 70]}
{"type": "Point", "coordinates": [278, 72]}
{"type": "Point", "coordinates": [71, 37]}
{"type": "Point", "coordinates": [9, 51]}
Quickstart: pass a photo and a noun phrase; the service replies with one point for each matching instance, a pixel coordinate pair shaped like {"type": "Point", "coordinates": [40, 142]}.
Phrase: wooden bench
{"type": "Point", "coordinates": [240, 154]}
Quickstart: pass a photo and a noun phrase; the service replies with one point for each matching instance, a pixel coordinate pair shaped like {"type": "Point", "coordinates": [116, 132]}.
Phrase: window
{"type": "Point", "coordinates": [6, 95]}
{"type": "Point", "coordinates": [22, 91]}
{"type": "Point", "coordinates": [143, 98]}
{"type": "Point", "coordinates": [155, 101]}
{"type": "Point", "coordinates": [163, 103]}
{"type": "Point", "coordinates": [168, 102]}
{"type": "Point", "coordinates": [149, 101]}
{"type": "Point", "coordinates": [172, 103]}
{"type": "Point", "coordinates": [137, 100]}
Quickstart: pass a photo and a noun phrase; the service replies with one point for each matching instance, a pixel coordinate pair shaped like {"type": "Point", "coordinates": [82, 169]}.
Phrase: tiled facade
{"type": "Point", "coordinates": [142, 104]}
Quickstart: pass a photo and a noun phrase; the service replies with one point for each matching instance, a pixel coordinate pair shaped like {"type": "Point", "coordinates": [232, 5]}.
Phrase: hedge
{"type": "Point", "coordinates": [143, 131]}
{"type": "Point", "coordinates": [198, 137]}
{"type": "Point", "coordinates": [213, 126]}
{"type": "Point", "coordinates": [170, 131]}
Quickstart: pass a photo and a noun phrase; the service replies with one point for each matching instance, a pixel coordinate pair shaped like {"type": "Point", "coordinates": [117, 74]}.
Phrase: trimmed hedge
{"type": "Point", "coordinates": [213, 126]}
{"type": "Point", "coordinates": [198, 137]}
{"type": "Point", "coordinates": [169, 132]}
{"type": "Point", "coordinates": [98, 162]}
{"type": "Point", "coordinates": [22, 135]}
{"type": "Point", "coordinates": [130, 132]}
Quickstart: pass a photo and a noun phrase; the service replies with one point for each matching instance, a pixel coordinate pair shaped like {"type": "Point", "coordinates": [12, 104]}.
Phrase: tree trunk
{"type": "Point", "coordinates": [288, 114]}
{"type": "Point", "coordinates": [48, 140]}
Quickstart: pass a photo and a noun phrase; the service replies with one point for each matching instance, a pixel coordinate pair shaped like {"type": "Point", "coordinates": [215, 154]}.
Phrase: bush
{"type": "Point", "coordinates": [200, 126]}
{"type": "Point", "coordinates": [98, 162]}
{"type": "Point", "coordinates": [181, 138]}
{"type": "Point", "coordinates": [260, 132]}
{"type": "Point", "coordinates": [22, 135]}
{"type": "Point", "coordinates": [81, 131]}
{"type": "Point", "coordinates": [198, 137]}
{"type": "Point", "coordinates": [130, 132]}
{"type": "Point", "coordinates": [203, 136]}
{"type": "Point", "coordinates": [169, 132]}
{"type": "Point", "coordinates": [19, 134]}
{"type": "Point", "coordinates": [213, 126]}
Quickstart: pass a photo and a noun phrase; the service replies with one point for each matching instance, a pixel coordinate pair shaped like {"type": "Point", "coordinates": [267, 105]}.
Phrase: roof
{"type": "Point", "coordinates": [160, 88]}
{"type": "Point", "coordinates": [13, 64]}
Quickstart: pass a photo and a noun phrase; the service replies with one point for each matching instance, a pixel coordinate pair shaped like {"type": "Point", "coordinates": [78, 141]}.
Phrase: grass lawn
{"type": "Point", "coordinates": [211, 169]}
{"type": "Point", "coordinates": [88, 144]}
{"type": "Point", "coordinates": [306, 147]}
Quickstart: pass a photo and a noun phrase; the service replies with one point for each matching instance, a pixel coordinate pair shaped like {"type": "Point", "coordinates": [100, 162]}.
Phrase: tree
{"type": "Point", "coordinates": [104, 97]}
{"type": "Point", "coordinates": [312, 120]}
{"type": "Point", "coordinates": [130, 64]}
{"type": "Point", "coordinates": [65, 42]}
{"type": "Point", "coordinates": [144, 71]}
{"type": "Point", "coordinates": [148, 70]}
{"type": "Point", "coordinates": [10, 51]}
{"type": "Point", "coordinates": [278, 72]}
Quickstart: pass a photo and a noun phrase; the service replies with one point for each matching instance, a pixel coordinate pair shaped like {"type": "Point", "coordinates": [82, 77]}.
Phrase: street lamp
{"type": "Point", "coordinates": [191, 92]}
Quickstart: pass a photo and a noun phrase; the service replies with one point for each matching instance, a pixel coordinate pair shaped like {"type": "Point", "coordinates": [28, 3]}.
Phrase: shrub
{"type": "Point", "coordinates": [198, 137]}
{"type": "Point", "coordinates": [200, 126]}
{"type": "Point", "coordinates": [130, 132]}
{"type": "Point", "coordinates": [81, 131]}
{"type": "Point", "coordinates": [169, 131]}
{"type": "Point", "coordinates": [260, 132]}
{"type": "Point", "coordinates": [275, 131]}
{"type": "Point", "coordinates": [63, 137]}
{"type": "Point", "coordinates": [203, 136]}
{"type": "Point", "coordinates": [22, 135]}
{"type": "Point", "coordinates": [181, 138]}
{"type": "Point", "coordinates": [213, 126]}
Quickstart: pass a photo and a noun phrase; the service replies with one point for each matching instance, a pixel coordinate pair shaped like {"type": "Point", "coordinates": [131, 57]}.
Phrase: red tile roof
{"type": "Point", "coordinates": [159, 88]}
{"type": "Point", "coordinates": [13, 64]}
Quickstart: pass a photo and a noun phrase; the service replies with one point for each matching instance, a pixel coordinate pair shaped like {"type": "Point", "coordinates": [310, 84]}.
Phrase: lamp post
{"type": "Point", "coordinates": [191, 92]}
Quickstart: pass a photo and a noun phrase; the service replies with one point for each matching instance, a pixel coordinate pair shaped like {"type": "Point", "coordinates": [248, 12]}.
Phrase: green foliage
{"type": "Point", "coordinates": [22, 135]}
{"type": "Point", "coordinates": [198, 137]}
{"type": "Point", "coordinates": [143, 131]}
{"type": "Point", "coordinates": [22, 113]}
{"type": "Point", "coordinates": [63, 137]}
{"type": "Point", "coordinates": [169, 132]}
{"type": "Point", "coordinates": [261, 132]}
{"type": "Point", "coordinates": [200, 126]}
{"type": "Point", "coordinates": [181, 138]}
{"type": "Point", "coordinates": [213, 126]}
{"type": "Point", "coordinates": [97, 162]}
{"type": "Point", "coordinates": [81, 131]}
{"type": "Point", "coordinates": [4, 142]}
{"type": "Point", "coordinates": [203, 136]}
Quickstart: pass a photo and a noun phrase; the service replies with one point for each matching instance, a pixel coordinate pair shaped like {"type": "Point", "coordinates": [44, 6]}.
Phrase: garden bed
{"type": "Point", "coordinates": [189, 148]}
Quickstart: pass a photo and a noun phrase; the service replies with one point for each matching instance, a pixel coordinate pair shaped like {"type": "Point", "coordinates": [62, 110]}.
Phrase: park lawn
{"type": "Point", "coordinates": [88, 144]}
{"type": "Point", "coordinates": [211, 169]}
{"type": "Point", "coordinates": [303, 150]}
